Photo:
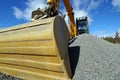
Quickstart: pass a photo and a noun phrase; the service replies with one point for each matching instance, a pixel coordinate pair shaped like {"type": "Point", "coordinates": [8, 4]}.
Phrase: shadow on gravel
{"type": "Point", "coordinates": [72, 40]}
{"type": "Point", "coordinates": [74, 53]}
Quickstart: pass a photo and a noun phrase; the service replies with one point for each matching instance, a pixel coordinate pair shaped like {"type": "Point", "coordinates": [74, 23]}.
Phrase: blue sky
{"type": "Point", "coordinates": [104, 15]}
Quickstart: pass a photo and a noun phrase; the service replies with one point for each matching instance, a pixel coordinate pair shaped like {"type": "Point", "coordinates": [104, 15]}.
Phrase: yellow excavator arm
{"type": "Point", "coordinates": [71, 17]}
{"type": "Point", "coordinates": [69, 9]}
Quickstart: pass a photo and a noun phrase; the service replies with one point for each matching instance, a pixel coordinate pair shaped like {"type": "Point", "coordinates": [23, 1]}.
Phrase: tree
{"type": "Point", "coordinates": [113, 40]}
{"type": "Point", "coordinates": [117, 35]}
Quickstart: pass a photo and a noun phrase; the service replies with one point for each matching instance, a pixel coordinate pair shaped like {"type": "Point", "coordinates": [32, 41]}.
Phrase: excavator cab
{"type": "Point", "coordinates": [82, 25]}
{"type": "Point", "coordinates": [49, 11]}
{"type": "Point", "coordinates": [49, 1]}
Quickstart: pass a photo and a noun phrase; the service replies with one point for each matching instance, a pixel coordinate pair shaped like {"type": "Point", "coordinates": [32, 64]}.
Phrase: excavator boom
{"type": "Point", "coordinates": [71, 17]}
{"type": "Point", "coordinates": [70, 12]}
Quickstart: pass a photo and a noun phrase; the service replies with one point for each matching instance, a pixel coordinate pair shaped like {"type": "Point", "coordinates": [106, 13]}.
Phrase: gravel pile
{"type": "Point", "coordinates": [7, 77]}
{"type": "Point", "coordinates": [118, 45]}
{"type": "Point", "coordinates": [94, 59]}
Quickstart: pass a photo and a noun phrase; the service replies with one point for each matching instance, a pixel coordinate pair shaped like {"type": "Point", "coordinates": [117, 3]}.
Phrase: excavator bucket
{"type": "Point", "coordinates": [36, 50]}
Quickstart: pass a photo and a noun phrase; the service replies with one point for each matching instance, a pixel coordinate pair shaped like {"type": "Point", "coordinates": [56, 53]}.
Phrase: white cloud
{"type": "Point", "coordinates": [81, 8]}
{"type": "Point", "coordinates": [104, 33]}
{"type": "Point", "coordinates": [101, 33]}
{"type": "Point", "coordinates": [94, 4]}
{"type": "Point", "coordinates": [116, 4]}
{"type": "Point", "coordinates": [18, 13]}
{"type": "Point", "coordinates": [87, 5]}
{"type": "Point", "coordinates": [31, 5]}
{"type": "Point", "coordinates": [82, 13]}
{"type": "Point", "coordinates": [77, 4]}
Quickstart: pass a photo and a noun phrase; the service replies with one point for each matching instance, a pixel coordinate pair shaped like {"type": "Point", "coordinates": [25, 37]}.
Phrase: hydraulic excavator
{"type": "Point", "coordinates": [38, 50]}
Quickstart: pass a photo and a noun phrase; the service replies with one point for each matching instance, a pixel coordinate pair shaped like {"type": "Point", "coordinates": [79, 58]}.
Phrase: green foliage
{"type": "Point", "coordinates": [113, 40]}
{"type": "Point", "coordinates": [116, 34]}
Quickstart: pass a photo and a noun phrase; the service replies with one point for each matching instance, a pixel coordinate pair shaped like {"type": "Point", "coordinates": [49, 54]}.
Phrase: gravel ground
{"type": "Point", "coordinates": [94, 59]}
{"type": "Point", "coordinates": [118, 44]}
{"type": "Point", "coordinates": [7, 77]}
